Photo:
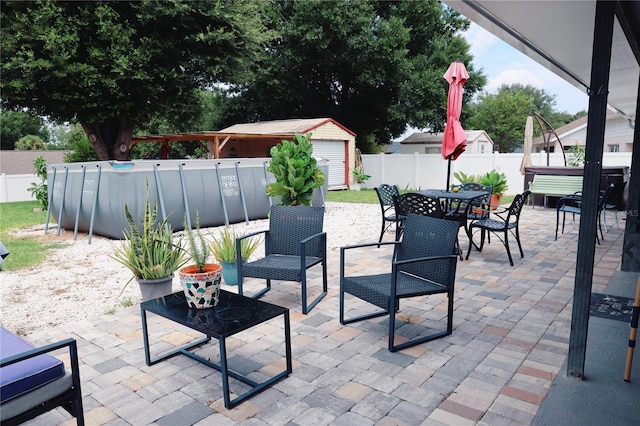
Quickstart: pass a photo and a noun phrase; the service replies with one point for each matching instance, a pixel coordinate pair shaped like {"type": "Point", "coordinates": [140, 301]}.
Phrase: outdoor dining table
{"type": "Point", "coordinates": [447, 198]}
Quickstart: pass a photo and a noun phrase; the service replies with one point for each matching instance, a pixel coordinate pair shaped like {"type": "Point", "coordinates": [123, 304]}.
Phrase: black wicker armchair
{"type": "Point", "coordinates": [293, 243]}
{"type": "Point", "coordinates": [423, 263]}
{"type": "Point", "coordinates": [34, 381]}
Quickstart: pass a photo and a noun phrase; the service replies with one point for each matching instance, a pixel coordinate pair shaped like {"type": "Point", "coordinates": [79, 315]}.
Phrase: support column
{"type": "Point", "coordinates": [600, 67]}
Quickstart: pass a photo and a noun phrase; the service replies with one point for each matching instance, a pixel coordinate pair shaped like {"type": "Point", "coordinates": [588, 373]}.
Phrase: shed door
{"type": "Point", "coordinates": [334, 152]}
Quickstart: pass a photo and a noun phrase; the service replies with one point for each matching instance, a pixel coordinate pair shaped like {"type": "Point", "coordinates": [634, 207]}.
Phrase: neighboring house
{"type": "Point", "coordinates": [618, 135]}
{"type": "Point", "coordinates": [331, 141]}
{"type": "Point", "coordinates": [17, 172]}
{"type": "Point", "coordinates": [478, 142]}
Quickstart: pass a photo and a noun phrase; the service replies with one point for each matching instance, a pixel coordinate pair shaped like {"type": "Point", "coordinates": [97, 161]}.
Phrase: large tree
{"type": "Point", "coordinates": [113, 65]}
{"type": "Point", "coordinates": [374, 66]}
{"type": "Point", "coordinates": [17, 124]}
{"type": "Point", "coordinates": [503, 114]}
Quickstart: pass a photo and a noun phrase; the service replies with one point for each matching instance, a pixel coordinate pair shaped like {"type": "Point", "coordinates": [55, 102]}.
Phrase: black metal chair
{"type": "Point", "coordinates": [423, 263]}
{"type": "Point", "coordinates": [508, 221]}
{"type": "Point", "coordinates": [615, 199]}
{"type": "Point", "coordinates": [34, 382]}
{"type": "Point", "coordinates": [293, 243]}
{"type": "Point", "coordinates": [385, 197]}
{"type": "Point", "coordinates": [572, 203]}
{"type": "Point", "coordinates": [414, 203]}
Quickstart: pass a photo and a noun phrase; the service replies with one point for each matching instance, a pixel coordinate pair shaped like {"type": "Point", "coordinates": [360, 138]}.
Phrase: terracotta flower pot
{"type": "Point", "coordinates": [201, 289]}
{"type": "Point", "coordinates": [495, 201]}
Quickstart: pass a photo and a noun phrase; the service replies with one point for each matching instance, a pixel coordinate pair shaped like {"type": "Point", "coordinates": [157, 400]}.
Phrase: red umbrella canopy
{"type": "Point", "coordinates": [454, 141]}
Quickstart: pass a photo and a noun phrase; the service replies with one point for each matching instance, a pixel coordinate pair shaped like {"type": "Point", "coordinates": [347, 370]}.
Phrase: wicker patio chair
{"type": "Point", "coordinates": [501, 226]}
{"type": "Point", "coordinates": [423, 264]}
{"type": "Point", "coordinates": [385, 197]}
{"type": "Point", "coordinates": [293, 243]}
{"type": "Point", "coordinates": [34, 382]}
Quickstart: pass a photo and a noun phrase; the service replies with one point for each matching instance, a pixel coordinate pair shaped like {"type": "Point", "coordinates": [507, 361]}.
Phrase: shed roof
{"type": "Point", "coordinates": [302, 125]}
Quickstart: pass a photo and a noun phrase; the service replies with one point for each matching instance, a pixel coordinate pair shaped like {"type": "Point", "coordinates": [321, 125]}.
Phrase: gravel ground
{"type": "Point", "coordinates": [81, 281]}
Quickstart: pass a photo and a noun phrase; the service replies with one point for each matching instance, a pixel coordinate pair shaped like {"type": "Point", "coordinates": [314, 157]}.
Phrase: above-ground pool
{"type": "Point", "coordinates": [90, 197]}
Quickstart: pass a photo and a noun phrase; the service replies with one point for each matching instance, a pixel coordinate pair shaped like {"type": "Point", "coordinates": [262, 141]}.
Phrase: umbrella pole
{"type": "Point", "coordinates": [632, 333]}
{"type": "Point", "coordinates": [448, 171]}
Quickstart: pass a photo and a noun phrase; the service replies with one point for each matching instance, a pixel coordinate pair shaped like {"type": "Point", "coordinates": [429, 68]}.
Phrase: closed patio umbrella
{"type": "Point", "coordinates": [454, 141]}
{"type": "Point", "coordinates": [528, 143]}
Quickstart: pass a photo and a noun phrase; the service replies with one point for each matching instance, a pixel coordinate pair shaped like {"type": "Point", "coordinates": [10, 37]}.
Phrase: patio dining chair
{"type": "Point", "coordinates": [572, 204]}
{"type": "Point", "coordinates": [423, 264]}
{"type": "Point", "coordinates": [390, 218]}
{"type": "Point", "coordinates": [412, 202]}
{"type": "Point", "coordinates": [293, 244]}
{"type": "Point", "coordinates": [615, 198]}
{"type": "Point", "coordinates": [505, 221]}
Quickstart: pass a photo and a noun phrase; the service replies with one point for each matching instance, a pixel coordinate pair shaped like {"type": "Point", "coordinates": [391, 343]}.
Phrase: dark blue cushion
{"type": "Point", "coordinates": [26, 375]}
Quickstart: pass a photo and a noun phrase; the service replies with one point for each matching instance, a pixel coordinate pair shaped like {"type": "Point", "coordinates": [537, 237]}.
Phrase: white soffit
{"type": "Point", "coordinates": [559, 36]}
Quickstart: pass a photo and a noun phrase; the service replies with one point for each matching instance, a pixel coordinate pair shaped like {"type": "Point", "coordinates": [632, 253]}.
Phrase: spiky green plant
{"type": "Point", "coordinates": [198, 245]}
{"type": "Point", "coordinates": [223, 246]}
{"type": "Point", "coordinates": [296, 171]}
{"type": "Point", "coordinates": [150, 253]}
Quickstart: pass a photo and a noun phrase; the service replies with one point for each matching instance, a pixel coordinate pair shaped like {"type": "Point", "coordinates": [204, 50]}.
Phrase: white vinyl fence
{"type": "Point", "coordinates": [427, 171]}
{"type": "Point", "coordinates": [408, 171]}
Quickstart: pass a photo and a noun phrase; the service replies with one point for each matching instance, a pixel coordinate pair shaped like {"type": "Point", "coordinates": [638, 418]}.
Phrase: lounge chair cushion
{"type": "Point", "coordinates": [24, 376]}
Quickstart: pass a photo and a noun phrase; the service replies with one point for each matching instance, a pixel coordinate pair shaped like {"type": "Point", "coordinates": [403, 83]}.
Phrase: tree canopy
{"type": "Point", "coordinates": [114, 65]}
{"type": "Point", "coordinates": [374, 66]}
{"type": "Point", "coordinates": [17, 124]}
{"type": "Point", "coordinates": [503, 114]}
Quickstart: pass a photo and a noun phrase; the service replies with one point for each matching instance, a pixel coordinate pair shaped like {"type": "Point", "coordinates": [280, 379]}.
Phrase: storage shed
{"type": "Point", "coordinates": [331, 141]}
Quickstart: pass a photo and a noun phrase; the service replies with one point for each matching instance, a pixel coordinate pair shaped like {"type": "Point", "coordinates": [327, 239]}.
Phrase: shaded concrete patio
{"type": "Point", "coordinates": [503, 364]}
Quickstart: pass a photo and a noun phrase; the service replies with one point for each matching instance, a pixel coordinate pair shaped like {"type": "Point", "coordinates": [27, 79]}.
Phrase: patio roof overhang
{"type": "Point", "coordinates": [594, 45]}
{"type": "Point", "coordinates": [559, 35]}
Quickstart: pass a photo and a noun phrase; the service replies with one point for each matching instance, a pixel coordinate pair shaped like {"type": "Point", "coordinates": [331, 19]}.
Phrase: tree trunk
{"type": "Point", "coordinates": [111, 139]}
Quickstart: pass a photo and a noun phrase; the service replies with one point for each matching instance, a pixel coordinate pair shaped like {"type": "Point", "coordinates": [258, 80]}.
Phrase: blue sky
{"type": "Point", "coordinates": [502, 64]}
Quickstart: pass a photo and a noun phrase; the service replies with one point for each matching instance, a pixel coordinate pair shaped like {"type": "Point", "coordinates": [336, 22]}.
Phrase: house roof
{"type": "Point", "coordinates": [303, 125]}
{"type": "Point", "coordinates": [14, 162]}
{"type": "Point", "coordinates": [436, 138]}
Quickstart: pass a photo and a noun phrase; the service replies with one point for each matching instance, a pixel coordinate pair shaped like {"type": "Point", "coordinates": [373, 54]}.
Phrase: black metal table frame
{"type": "Point", "coordinates": [223, 367]}
{"type": "Point", "coordinates": [449, 196]}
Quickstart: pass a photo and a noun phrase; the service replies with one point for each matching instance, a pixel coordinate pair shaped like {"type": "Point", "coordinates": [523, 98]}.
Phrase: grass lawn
{"type": "Point", "coordinates": [28, 251]}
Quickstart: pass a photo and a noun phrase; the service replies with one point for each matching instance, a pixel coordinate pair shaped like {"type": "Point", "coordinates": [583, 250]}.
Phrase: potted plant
{"type": "Point", "coordinates": [200, 280]}
{"type": "Point", "coordinates": [498, 183]}
{"type": "Point", "coordinates": [223, 249]}
{"type": "Point", "coordinates": [360, 177]}
{"type": "Point", "coordinates": [150, 254]}
{"type": "Point", "coordinates": [296, 171]}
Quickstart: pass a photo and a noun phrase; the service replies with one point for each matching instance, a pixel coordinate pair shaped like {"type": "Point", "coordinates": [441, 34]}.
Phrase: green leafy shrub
{"type": "Point", "coordinates": [296, 171]}
{"type": "Point", "coordinates": [496, 180]}
{"type": "Point", "coordinates": [40, 190]}
{"type": "Point", "coordinates": [223, 247]}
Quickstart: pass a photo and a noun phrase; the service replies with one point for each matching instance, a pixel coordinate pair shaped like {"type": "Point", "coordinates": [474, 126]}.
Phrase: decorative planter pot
{"type": "Point", "coordinates": [230, 273]}
{"type": "Point", "coordinates": [152, 289]}
{"type": "Point", "coordinates": [201, 289]}
{"type": "Point", "coordinates": [495, 201]}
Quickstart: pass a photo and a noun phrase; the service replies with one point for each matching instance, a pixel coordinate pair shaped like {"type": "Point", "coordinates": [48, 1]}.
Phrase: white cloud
{"type": "Point", "coordinates": [515, 75]}
{"type": "Point", "coordinates": [479, 39]}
